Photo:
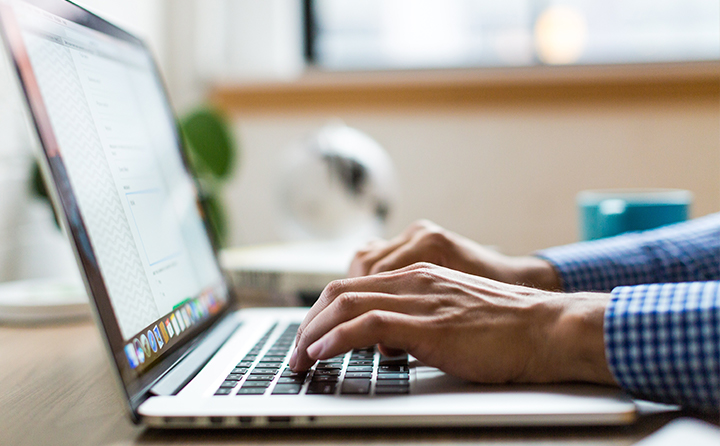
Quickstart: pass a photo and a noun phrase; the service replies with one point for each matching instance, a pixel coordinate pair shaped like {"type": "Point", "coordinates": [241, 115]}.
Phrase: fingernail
{"type": "Point", "coordinates": [293, 358]}
{"type": "Point", "coordinates": [316, 349]}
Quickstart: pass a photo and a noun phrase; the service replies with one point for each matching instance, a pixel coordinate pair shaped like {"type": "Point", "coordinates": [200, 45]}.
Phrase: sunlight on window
{"type": "Point", "coordinates": [424, 29]}
{"type": "Point", "coordinates": [399, 34]}
{"type": "Point", "coordinates": [560, 35]}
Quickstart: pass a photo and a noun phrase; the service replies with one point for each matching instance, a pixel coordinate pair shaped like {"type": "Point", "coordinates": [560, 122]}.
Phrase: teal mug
{"type": "Point", "coordinates": [605, 213]}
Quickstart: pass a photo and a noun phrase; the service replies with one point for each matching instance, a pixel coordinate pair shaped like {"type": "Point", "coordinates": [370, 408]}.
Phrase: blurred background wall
{"type": "Point", "coordinates": [503, 171]}
{"type": "Point", "coordinates": [502, 175]}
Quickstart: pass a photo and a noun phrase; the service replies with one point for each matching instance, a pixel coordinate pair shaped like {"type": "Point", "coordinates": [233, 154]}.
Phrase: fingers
{"type": "Point", "coordinates": [376, 250]}
{"type": "Point", "coordinates": [403, 291]}
{"type": "Point", "coordinates": [380, 283]}
{"type": "Point", "coordinates": [387, 351]}
{"type": "Point", "coordinates": [393, 330]}
{"type": "Point", "coordinates": [349, 306]}
{"type": "Point", "coordinates": [407, 254]}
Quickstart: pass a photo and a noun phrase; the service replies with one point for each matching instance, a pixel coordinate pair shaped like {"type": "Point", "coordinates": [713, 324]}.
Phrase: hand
{"type": "Point", "coordinates": [470, 327]}
{"type": "Point", "coordinates": [424, 241]}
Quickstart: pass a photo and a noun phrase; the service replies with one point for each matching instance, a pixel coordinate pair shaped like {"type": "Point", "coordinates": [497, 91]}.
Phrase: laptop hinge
{"type": "Point", "coordinates": [185, 370]}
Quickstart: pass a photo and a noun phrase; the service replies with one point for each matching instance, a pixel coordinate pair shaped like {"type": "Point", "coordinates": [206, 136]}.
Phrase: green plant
{"type": "Point", "coordinates": [211, 152]}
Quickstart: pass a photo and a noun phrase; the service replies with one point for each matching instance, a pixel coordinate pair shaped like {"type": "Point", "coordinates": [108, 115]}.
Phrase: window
{"type": "Point", "coordinates": [406, 34]}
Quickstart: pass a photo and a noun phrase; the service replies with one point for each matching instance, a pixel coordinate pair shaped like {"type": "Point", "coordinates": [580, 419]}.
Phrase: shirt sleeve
{"type": "Point", "coordinates": [662, 342]}
{"type": "Point", "coordinates": [683, 252]}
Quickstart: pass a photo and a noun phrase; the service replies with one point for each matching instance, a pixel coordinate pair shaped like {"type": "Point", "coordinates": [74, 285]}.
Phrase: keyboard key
{"type": "Point", "coordinates": [291, 380]}
{"type": "Point", "coordinates": [393, 360]}
{"type": "Point", "coordinates": [249, 384]}
{"type": "Point", "coordinates": [321, 388]}
{"type": "Point", "coordinates": [331, 372]}
{"type": "Point", "coordinates": [360, 362]}
{"type": "Point", "coordinates": [393, 368]}
{"type": "Point", "coordinates": [244, 364]}
{"type": "Point", "coordinates": [261, 377]}
{"type": "Point", "coordinates": [334, 366]}
{"type": "Point", "coordinates": [229, 384]}
{"type": "Point", "coordinates": [269, 364]}
{"type": "Point", "coordinates": [251, 391]}
{"type": "Point", "coordinates": [364, 350]}
{"type": "Point", "coordinates": [239, 370]}
{"type": "Point", "coordinates": [392, 382]}
{"type": "Point", "coordinates": [336, 359]}
{"type": "Point", "coordinates": [264, 371]}
{"type": "Point", "coordinates": [355, 387]}
{"type": "Point", "coordinates": [364, 368]}
{"type": "Point", "coordinates": [277, 351]}
{"type": "Point", "coordinates": [234, 377]}
{"type": "Point", "coordinates": [393, 375]}
{"type": "Point", "coordinates": [392, 390]}
{"type": "Point", "coordinates": [289, 372]}
{"type": "Point", "coordinates": [223, 391]}
{"type": "Point", "coordinates": [325, 378]}
{"type": "Point", "coordinates": [358, 375]}
{"type": "Point", "coordinates": [287, 389]}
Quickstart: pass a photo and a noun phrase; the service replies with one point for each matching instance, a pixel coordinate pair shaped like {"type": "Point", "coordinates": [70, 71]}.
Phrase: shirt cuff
{"type": "Point", "coordinates": [662, 342]}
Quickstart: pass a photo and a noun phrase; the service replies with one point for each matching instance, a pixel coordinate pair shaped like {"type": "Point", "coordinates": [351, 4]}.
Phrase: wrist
{"type": "Point", "coordinates": [536, 272]}
{"type": "Point", "coordinates": [575, 343]}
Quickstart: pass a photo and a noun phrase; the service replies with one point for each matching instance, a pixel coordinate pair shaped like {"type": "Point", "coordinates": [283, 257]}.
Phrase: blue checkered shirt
{"type": "Point", "coordinates": [662, 326]}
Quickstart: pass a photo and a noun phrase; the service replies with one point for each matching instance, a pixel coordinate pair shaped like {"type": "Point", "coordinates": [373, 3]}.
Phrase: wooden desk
{"type": "Point", "coordinates": [56, 388]}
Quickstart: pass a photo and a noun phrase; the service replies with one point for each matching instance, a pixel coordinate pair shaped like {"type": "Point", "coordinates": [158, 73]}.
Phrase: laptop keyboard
{"type": "Point", "coordinates": [264, 371]}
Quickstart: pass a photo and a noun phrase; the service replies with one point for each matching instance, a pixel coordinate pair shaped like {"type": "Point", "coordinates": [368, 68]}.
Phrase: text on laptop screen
{"type": "Point", "coordinates": [117, 141]}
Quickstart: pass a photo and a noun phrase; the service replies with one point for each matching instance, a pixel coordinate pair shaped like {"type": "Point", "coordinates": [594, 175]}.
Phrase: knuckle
{"type": "Point", "coordinates": [380, 267]}
{"type": "Point", "coordinates": [335, 288]}
{"type": "Point", "coordinates": [365, 264]}
{"type": "Point", "coordinates": [435, 237]}
{"type": "Point", "coordinates": [376, 320]}
{"type": "Point", "coordinates": [423, 273]}
{"type": "Point", "coordinates": [423, 268]}
{"type": "Point", "coordinates": [417, 224]}
{"type": "Point", "coordinates": [363, 252]}
{"type": "Point", "coordinates": [370, 247]}
{"type": "Point", "coordinates": [301, 336]}
{"type": "Point", "coordinates": [423, 223]}
{"type": "Point", "coordinates": [347, 301]}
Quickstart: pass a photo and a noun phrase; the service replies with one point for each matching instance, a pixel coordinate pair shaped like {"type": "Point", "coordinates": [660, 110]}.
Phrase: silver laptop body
{"type": "Point", "coordinates": [129, 204]}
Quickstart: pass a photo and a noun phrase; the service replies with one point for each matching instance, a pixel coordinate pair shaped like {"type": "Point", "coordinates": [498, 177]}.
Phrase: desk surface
{"type": "Point", "coordinates": [56, 388]}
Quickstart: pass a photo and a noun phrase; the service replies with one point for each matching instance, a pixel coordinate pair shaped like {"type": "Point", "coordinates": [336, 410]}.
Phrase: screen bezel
{"type": "Point", "coordinates": [135, 385]}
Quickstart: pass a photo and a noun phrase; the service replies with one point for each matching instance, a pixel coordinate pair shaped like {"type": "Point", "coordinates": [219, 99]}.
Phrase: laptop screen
{"type": "Point", "coordinates": [113, 149]}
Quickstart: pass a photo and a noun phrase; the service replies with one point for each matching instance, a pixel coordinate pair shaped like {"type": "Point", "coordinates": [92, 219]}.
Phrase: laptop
{"type": "Point", "coordinates": [183, 357]}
